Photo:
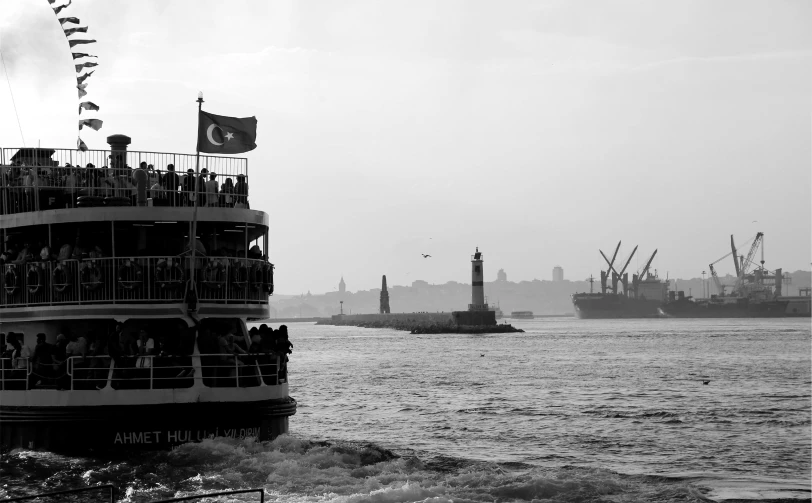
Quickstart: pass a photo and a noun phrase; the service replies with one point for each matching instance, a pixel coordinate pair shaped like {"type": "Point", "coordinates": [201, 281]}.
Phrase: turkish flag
{"type": "Point", "coordinates": [218, 134]}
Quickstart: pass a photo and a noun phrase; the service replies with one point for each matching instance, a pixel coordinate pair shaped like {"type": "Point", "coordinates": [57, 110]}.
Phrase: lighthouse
{"type": "Point", "coordinates": [478, 313]}
{"type": "Point", "coordinates": [477, 284]}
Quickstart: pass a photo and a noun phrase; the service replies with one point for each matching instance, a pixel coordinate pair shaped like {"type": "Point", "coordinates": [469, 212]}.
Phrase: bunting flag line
{"type": "Point", "coordinates": [71, 31]}
{"type": "Point", "coordinates": [85, 65]}
{"type": "Point", "coordinates": [87, 105]}
{"type": "Point", "coordinates": [81, 78]}
{"type": "Point", "coordinates": [94, 124]}
{"type": "Point", "coordinates": [77, 42]}
{"type": "Point", "coordinates": [81, 86]}
{"type": "Point", "coordinates": [57, 10]}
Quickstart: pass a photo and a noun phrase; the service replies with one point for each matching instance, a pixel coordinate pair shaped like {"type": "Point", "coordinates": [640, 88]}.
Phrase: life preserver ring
{"type": "Point", "coordinates": [214, 275]}
{"type": "Point", "coordinates": [239, 275]}
{"type": "Point", "coordinates": [33, 278]}
{"type": "Point", "coordinates": [60, 279]}
{"type": "Point", "coordinates": [129, 275]}
{"type": "Point", "coordinates": [10, 280]}
{"type": "Point", "coordinates": [169, 274]}
{"type": "Point", "coordinates": [90, 276]}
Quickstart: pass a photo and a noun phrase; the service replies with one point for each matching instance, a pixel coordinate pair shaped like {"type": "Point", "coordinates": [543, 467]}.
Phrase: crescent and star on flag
{"type": "Point", "coordinates": [210, 134]}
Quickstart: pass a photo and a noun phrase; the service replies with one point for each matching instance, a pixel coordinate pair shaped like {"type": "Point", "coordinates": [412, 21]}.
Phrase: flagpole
{"type": "Point", "coordinates": [196, 181]}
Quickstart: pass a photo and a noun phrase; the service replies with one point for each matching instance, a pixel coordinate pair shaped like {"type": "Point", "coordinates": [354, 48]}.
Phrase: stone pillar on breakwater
{"type": "Point", "coordinates": [384, 297]}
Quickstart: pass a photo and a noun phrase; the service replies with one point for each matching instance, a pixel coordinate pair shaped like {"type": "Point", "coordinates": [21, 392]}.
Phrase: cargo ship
{"type": "Point", "coordinates": [123, 307]}
{"type": "Point", "coordinates": [757, 293]}
{"type": "Point", "coordinates": [640, 299]}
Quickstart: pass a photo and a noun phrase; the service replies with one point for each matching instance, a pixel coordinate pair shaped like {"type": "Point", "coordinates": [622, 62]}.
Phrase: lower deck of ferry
{"type": "Point", "coordinates": [102, 384]}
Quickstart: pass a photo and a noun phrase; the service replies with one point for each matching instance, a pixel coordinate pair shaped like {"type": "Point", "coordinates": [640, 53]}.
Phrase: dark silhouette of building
{"type": "Point", "coordinates": [558, 273]}
{"type": "Point", "coordinates": [501, 275]}
{"type": "Point", "coordinates": [384, 297]}
{"type": "Point", "coordinates": [342, 287]}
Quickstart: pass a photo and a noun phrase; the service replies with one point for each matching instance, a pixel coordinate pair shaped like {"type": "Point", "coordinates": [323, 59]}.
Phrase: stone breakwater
{"type": "Point", "coordinates": [416, 323]}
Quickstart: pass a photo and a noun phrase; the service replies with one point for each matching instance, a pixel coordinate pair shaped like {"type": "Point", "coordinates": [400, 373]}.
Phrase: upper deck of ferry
{"type": "Point", "coordinates": [128, 215]}
{"type": "Point", "coordinates": [41, 179]}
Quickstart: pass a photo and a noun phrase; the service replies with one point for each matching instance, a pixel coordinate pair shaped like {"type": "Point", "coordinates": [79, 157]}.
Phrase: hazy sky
{"type": "Point", "coordinates": [538, 131]}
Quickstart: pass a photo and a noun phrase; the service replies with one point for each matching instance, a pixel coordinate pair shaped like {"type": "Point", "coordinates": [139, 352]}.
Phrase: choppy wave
{"type": "Point", "coordinates": [292, 469]}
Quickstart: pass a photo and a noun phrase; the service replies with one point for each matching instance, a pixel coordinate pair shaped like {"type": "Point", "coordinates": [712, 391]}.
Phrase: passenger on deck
{"type": "Point", "coordinates": [201, 187]}
{"type": "Point", "coordinates": [284, 348]}
{"type": "Point", "coordinates": [229, 352]}
{"type": "Point", "coordinates": [45, 254]}
{"type": "Point", "coordinates": [212, 197]}
{"type": "Point", "coordinates": [24, 255]}
{"type": "Point", "coordinates": [97, 352]}
{"type": "Point", "coordinates": [42, 359]}
{"type": "Point", "coordinates": [146, 348]}
{"type": "Point", "coordinates": [227, 193]}
{"type": "Point", "coordinates": [241, 193]}
{"type": "Point", "coordinates": [65, 252]}
{"type": "Point", "coordinates": [171, 182]}
{"type": "Point", "coordinates": [60, 358]}
{"type": "Point", "coordinates": [20, 353]}
{"type": "Point", "coordinates": [189, 187]}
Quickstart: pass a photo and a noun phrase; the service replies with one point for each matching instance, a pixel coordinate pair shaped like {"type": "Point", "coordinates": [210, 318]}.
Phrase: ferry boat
{"type": "Point", "coordinates": [124, 297]}
{"type": "Point", "coordinates": [522, 315]}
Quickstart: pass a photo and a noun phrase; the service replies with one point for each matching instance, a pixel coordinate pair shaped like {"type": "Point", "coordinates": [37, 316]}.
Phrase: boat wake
{"type": "Point", "coordinates": [294, 469]}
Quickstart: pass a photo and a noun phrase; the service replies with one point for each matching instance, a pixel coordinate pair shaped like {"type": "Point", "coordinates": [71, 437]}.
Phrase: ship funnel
{"type": "Point", "coordinates": [118, 151]}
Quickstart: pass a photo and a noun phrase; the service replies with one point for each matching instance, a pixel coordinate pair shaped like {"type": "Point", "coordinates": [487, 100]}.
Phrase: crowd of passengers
{"type": "Point", "coordinates": [22, 186]}
{"type": "Point", "coordinates": [23, 252]}
{"type": "Point", "coordinates": [226, 359]}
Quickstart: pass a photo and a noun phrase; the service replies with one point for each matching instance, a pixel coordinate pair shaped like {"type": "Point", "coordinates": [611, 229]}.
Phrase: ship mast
{"type": "Point", "coordinates": [191, 288]}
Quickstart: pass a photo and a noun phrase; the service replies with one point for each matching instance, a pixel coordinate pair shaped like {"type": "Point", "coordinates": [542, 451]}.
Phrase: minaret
{"type": "Point", "coordinates": [342, 287]}
{"type": "Point", "coordinates": [477, 284]}
{"type": "Point", "coordinates": [384, 297]}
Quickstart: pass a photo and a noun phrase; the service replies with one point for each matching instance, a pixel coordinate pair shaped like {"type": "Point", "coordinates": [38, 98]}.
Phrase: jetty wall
{"type": "Point", "coordinates": [388, 319]}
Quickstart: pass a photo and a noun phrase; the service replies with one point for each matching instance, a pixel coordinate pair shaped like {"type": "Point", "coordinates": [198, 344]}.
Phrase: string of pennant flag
{"type": "Point", "coordinates": [81, 67]}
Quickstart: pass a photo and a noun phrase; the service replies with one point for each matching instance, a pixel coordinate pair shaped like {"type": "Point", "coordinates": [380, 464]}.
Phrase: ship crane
{"type": "Point", "coordinates": [627, 262]}
{"type": "Point", "coordinates": [720, 288]}
{"type": "Point", "coordinates": [745, 264]}
{"type": "Point", "coordinates": [648, 264]}
{"type": "Point", "coordinates": [614, 256]}
{"type": "Point", "coordinates": [735, 257]}
{"type": "Point", "coordinates": [611, 264]}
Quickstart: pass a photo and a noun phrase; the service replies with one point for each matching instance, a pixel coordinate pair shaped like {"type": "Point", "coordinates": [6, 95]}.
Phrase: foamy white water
{"type": "Point", "coordinates": [590, 410]}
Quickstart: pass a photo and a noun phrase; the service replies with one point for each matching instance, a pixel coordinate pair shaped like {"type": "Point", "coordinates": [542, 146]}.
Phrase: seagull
{"type": "Point", "coordinates": [425, 255]}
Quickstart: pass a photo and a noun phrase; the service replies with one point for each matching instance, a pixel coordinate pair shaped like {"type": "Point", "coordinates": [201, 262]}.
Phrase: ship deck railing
{"type": "Point", "coordinates": [128, 280]}
{"type": "Point", "coordinates": [63, 180]}
{"type": "Point", "coordinates": [146, 372]}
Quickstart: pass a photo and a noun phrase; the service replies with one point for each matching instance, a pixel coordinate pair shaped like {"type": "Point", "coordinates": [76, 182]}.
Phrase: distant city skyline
{"type": "Point", "coordinates": [540, 131]}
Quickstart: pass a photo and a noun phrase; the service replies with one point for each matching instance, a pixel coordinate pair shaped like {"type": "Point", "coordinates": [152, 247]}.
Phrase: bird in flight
{"type": "Point", "coordinates": [425, 255]}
